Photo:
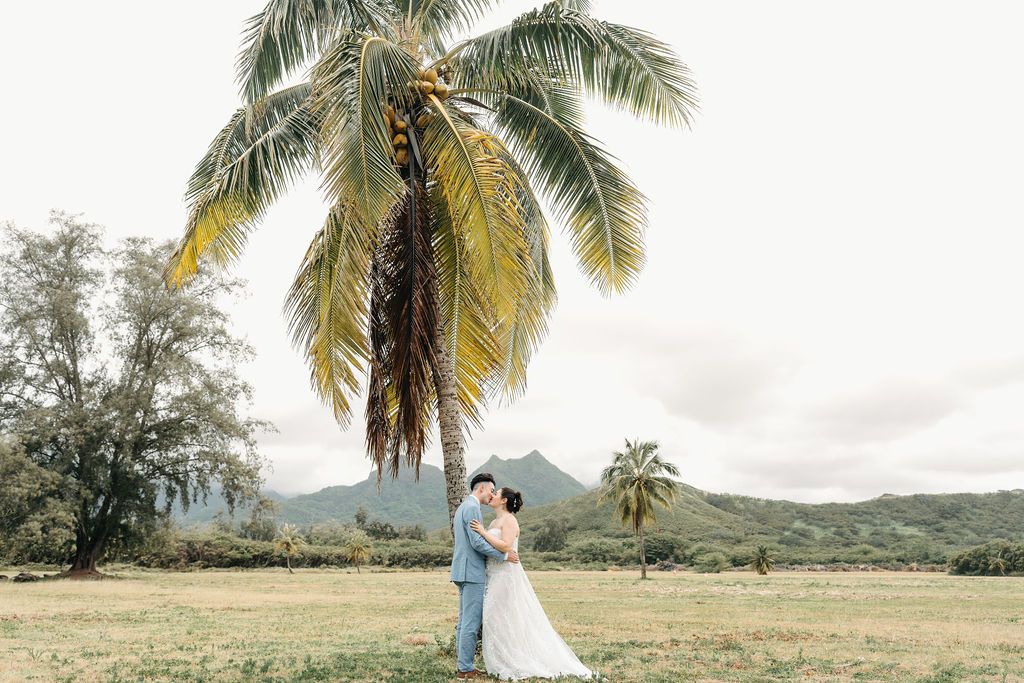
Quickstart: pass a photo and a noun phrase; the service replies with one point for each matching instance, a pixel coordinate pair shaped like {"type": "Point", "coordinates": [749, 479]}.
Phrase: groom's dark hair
{"type": "Point", "coordinates": [483, 476]}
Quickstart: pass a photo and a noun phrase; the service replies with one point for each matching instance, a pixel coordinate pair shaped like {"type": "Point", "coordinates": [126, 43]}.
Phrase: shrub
{"type": "Point", "coordinates": [551, 537]}
{"type": "Point", "coordinates": [992, 559]}
{"type": "Point", "coordinates": [711, 563]}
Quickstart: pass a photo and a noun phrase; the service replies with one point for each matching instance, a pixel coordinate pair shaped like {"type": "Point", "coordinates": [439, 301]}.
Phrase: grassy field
{"type": "Point", "coordinates": [324, 625]}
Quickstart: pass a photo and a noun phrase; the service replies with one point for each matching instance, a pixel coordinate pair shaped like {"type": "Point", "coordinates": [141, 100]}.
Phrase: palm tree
{"type": "Point", "coordinates": [636, 480]}
{"type": "Point", "coordinates": [289, 540]}
{"type": "Point", "coordinates": [763, 562]}
{"type": "Point", "coordinates": [357, 550]}
{"type": "Point", "coordinates": [431, 268]}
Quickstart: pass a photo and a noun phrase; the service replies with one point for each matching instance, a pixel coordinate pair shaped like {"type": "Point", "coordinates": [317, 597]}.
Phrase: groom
{"type": "Point", "coordinates": [468, 571]}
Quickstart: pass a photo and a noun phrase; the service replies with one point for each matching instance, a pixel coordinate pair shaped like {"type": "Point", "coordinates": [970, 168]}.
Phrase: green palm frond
{"type": "Point", "coordinates": [255, 158]}
{"type": "Point", "coordinates": [433, 21]}
{"type": "Point", "coordinates": [326, 308]}
{"type": "Point", "coordinates": [288, 34]}
{"type": "Point", "coordinates": [352, 82]}
{"type": "Point", "coordinates": [473, 346]}
{"type": "Point", "coordinates": [528, 326]}
{"type": "Point", "coordinates": [605, 214]}
{"type": "Point", "coordinates": [626, 67]}
{"type": "Point", "coordinates": [482, 193]}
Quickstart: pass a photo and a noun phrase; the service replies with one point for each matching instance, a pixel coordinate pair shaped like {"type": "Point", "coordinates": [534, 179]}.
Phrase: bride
{"type": "Point", "coordinates": [518, 641]}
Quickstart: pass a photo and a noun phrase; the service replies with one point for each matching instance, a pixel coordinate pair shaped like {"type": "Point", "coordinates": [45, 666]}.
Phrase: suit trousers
{"type": "Point", "coordinates": [471, 612]}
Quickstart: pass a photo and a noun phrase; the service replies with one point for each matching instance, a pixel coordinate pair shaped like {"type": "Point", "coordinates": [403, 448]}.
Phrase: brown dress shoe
{"type": "Point", "coordinates": [465, 675]}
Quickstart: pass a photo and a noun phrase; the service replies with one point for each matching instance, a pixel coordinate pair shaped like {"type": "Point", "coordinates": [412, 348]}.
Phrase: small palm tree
{"type": "Point", "coordinates": [289, 540]}
{"type": "Point", "coordinates": [357, 550]}
{"type": "Point", "coordinates": [763, 562]}
{"type": "Point", "coordinates": [997, 564]}
{"type": "Point", "coordinates": [635, 480]}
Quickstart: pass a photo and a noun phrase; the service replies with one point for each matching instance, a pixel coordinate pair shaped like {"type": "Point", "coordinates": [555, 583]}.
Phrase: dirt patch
{"type": "Point", "coordinates": [416, 639]}
{"type": "Point", "coordinates": [83, 574]}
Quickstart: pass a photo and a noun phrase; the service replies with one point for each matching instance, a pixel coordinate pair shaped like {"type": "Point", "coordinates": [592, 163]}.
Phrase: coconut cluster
{"type": "Point", "coordinates": [428, 83]}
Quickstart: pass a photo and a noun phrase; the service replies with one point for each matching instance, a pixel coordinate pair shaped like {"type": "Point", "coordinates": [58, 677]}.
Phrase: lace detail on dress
{"type": "Point", "coordinates": [518, 640]}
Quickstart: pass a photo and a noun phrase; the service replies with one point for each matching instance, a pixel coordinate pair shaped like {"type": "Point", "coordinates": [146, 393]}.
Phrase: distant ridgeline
{"type": "Point", "coordinates": [922, 528]}
{"type": "Point", "coordinates": [915, 528]}
{"type": "Point", "coordinates": [403, 502]}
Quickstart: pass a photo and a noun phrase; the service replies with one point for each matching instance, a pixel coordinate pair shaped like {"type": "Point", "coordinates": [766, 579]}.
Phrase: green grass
{"type": "Point", "coordinates": [330, 625]}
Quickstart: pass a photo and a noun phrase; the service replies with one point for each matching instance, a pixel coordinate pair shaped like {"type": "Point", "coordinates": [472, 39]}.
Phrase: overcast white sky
{"type": "Point", "coordinates": [831, 307]}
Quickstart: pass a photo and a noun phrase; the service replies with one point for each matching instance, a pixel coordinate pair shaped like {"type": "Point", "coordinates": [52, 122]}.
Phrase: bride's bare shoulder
{"type": "Point", "coordinates": [512, 524]}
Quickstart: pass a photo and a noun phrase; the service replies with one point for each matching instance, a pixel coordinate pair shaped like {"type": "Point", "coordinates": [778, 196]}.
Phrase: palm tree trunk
{"type": "Point", "coordinates": [643, 555]}
{"type": "Point", "coordinates": [288, 561]}
{"type": "Point", "coordinates": [449, 419]}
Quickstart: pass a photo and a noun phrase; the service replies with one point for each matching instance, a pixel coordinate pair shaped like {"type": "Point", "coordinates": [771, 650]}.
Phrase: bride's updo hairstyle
{"type": "Point", "coordinates": [513, 500]}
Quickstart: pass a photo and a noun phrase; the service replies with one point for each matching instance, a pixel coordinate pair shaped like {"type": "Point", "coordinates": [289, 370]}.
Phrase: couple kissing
{"type": "Point", "coordinates": [496, 599]}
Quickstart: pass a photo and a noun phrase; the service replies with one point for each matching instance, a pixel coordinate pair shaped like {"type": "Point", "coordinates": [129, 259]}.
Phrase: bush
{"type": "Point", "coordinates": [551, 537]}
{"type": "Point", "coordinates": [595, 550]}
{"type": "Point", "coordinates": [417, 554]}
{"type": "Point", "coordinates": [664, 546]}
{"type": "Point", "coordinates": [711, 563]}
{"type": "Point", "coordinates": [992, 559]}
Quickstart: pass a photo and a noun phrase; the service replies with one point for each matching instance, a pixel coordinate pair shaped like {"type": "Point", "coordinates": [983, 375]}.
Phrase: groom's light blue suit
{"type": "Point", "coordinates": [470, 575]}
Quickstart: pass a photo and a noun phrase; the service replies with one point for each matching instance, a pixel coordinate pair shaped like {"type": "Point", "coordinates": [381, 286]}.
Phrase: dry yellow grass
{"type": "Point", "coordinates": [269, 625]}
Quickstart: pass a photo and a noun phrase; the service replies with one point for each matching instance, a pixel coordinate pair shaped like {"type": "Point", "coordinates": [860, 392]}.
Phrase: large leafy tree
{"type": "Point", "coordinates": [636, 480]}
{"type": "Point", "coordinates": [431, 269]}
{"type": "Point", "coordinates": [119, 389]}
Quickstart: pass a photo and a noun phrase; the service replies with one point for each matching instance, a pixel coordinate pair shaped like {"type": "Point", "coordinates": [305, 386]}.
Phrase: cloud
{"type": "Point", "coordinates": [717, 377]}
{"type": "Point", "coordinates": [888, 409]}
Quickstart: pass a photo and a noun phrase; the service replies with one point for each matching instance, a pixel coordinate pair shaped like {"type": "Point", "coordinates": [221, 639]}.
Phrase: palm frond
{"type": "Point", "coordinates": [326, 308]}
{"type": "Point", "coordinates": [528, 326]}
{"type": "Point", "coordinates": [626, 67]}
{"type": "Point", "coordinates": [482, 194]}
{"type": "Point", "coordinates": [473, 346]}
{"type": "Point", "coordinates": [288, 34]}
{"type": "Point", "coordinates": [254, 159]}
{"type": "Point", "coordinates": [352, 82]}
{"type": "Point", "coordinates": [605, 214]}
{"type": "Point", "coordinates": [433, 21]}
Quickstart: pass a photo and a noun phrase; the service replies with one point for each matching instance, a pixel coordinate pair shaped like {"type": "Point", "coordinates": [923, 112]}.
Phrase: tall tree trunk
{"type": "Point", "coordinates": [449, 418]}
{"type": "Point", "coordinates": [643, 555]}
{"type": "Point", "coordinates": [288, 562]}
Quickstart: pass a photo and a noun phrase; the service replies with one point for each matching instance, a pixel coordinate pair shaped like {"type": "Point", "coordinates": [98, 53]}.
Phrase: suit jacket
{"type": "Point", "coordinates": [468, 560]}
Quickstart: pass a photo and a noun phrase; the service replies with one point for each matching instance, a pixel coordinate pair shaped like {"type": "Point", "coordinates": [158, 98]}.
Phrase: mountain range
{"type": "Point", "coordinates": [403, 501]}
{"type": "Point", "coordinates": [913, 528]}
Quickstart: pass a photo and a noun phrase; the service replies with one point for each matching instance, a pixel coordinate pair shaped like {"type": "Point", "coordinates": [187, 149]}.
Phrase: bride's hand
{"type": "Point", "coordinates": [476, 526]}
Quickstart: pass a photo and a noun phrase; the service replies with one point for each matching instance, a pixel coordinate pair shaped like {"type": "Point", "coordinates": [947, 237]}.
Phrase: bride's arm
{"type": "Point", "coordinates": [503, 546]}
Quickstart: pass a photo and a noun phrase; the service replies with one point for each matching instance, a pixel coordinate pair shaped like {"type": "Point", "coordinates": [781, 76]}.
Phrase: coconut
{"type": "Point", "coordinates": [424, 120]}
{"type": "Point", "coordinates": [402, 157]}
{"type": "Point", "coordinates": [400, 126]}
{"type": "Point", "coordinates": [400, 141]}
{"type": "Point", "coordinates": [390, 112]}
{"type": "Point", "coordinates": [441, 90]}
{"type": "Point", "coordinates": [426, 87]}
{"type": "Point", "coordinates": [429, 75]}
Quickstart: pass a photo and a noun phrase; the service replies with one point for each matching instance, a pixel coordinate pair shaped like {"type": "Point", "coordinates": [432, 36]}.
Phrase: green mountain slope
{"type": "Point", "coordinates": [916, 528]}
{"type": "Point", "coordinates": [401, 501]}
{"type": "Point", "coordinates": [202, 513]}
{"type": "Point", "coordinates": [534, 476]}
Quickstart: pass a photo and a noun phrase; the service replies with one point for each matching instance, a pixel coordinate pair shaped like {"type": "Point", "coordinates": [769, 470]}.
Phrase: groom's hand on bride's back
{"type": "Point", "coordinates": [513, 556]}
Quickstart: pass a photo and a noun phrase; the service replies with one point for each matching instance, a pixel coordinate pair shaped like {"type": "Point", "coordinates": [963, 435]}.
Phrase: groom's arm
{"type": "Point", "coordinates": [478, 542]}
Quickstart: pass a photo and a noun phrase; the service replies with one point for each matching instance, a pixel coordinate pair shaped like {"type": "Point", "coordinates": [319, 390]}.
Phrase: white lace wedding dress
{"type": "Point", "coordinates": [518, 641]}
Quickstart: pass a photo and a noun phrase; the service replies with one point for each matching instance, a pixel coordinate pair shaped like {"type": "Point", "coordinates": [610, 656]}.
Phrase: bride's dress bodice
{"type": "Point", "coordinates": [494, 565]}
